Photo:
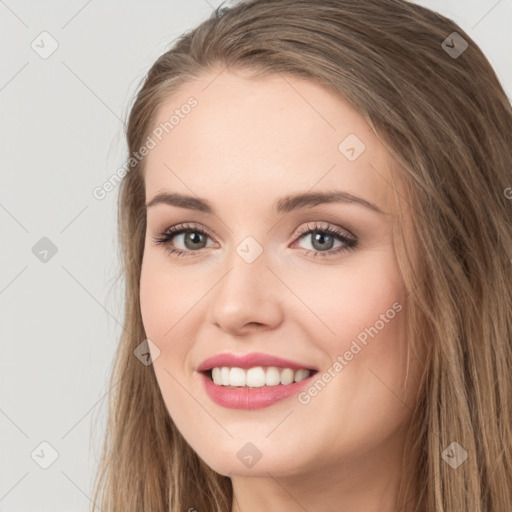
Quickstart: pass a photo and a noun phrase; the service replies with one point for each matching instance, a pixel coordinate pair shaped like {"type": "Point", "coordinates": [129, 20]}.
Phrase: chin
{"type": "Point", "coordinates": [242, 463]}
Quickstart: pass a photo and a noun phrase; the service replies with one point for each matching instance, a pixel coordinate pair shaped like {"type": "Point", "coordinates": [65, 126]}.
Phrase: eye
{"type": "Point", "coordinates": [322, 239]}
{"type": "Point", "coordinates": [194, 238]}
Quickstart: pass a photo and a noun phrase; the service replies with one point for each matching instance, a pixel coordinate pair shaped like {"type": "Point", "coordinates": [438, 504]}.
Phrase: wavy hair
{"type": "Point", "coordinates": [447, 123]}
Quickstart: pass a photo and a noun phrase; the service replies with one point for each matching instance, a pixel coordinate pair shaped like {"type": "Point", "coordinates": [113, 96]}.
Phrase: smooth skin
{"type": "Point", "coordinates": [248, 143]}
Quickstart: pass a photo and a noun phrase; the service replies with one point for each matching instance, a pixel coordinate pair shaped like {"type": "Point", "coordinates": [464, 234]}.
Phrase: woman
{"type": "Point", "coordinates": [316, 239]}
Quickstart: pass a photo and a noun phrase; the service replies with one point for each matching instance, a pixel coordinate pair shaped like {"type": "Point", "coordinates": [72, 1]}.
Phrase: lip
{"type": "Point", "coordinates": [251, 398]}
{"type": "Point", "coordinates": [245, 397]}
{"type": "Point", "coordinates": [246, 361]}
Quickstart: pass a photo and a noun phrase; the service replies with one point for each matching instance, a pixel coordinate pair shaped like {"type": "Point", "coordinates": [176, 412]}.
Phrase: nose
{"type": "Point", "coordinates": [248, 296]}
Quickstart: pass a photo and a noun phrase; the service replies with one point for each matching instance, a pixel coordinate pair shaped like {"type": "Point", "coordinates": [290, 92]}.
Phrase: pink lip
{"type": "Point", "coordinates": [250, 398]}
{"type": "Point", "coordinates": [248, 361]}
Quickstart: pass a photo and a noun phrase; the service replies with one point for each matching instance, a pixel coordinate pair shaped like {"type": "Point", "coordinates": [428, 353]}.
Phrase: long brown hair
{"type": "Point", "coordinates": [439, 108]}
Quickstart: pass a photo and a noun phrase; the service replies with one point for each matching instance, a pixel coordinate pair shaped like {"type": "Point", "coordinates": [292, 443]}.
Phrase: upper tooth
{"type": "Point", "coordinates": [272, 377]}
{"type": "Point", "coordinates": [224, 373]}
{"type": "Point", "coordinates": [301, 374]}
{"type": "Point", "coordinates": [237, 377]}
{"type": "Point", "coordinates": [257, 377]}
{"type": "Point", "coordinates": [287, 376]}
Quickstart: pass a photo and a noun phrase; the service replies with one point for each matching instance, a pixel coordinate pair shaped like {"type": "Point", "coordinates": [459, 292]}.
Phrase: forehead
{"type": "Point", "coordinates": [263, 138]}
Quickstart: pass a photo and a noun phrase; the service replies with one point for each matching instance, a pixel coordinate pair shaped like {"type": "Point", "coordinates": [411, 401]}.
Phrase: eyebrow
{"type": "Point", "coordinates": [283, 205]}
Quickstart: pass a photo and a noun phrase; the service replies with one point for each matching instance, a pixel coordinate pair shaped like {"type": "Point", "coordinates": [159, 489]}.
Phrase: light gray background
{"type": "Point", "coordinates": [62, 135]}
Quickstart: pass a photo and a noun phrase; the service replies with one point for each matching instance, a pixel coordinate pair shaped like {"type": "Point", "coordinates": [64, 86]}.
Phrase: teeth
{"type": "Point", "coordinates": [257, 377]}
{"type": "Point", "coordinates": [272, 378]}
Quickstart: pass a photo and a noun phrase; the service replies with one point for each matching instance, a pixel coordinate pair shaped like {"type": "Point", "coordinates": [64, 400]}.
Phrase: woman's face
{"type": "Point", "coordinates": [258, 273]}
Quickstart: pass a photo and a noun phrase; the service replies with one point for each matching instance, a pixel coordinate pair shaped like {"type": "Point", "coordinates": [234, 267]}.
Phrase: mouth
{"type": "Point", "coordinates": [256, 377]}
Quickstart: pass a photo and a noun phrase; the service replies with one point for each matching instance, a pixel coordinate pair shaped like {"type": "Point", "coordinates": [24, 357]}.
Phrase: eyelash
{"type": "Point", "coordinates": [166, 236]}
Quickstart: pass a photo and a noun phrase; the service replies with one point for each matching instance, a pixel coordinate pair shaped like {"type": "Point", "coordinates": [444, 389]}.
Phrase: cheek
{"type": "Point", "coordinates": [358, 319]}
{"type": "Point", "coordinates": [348, 301]}
{"type": "Point", "coordinates": [163, 305]}
{"type": "Point", "coordinates": [154, 294]}
{"type": "Point", "coordinates": [165, 294]}
{"type": "Point", "coordinates": [171, 309]}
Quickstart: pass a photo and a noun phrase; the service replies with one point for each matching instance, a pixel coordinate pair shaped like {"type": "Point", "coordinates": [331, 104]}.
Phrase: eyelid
{"type": "Point", "coordinates": [346, 237]}
{"type": "Point", "coordinates": [327, 227]}
{"type": "Point", "coordinates": [182, 226]}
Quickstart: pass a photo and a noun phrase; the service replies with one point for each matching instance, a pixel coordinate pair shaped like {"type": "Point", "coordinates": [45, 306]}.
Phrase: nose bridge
{"type": "Point", "coordinates": [247, 291]}
{"type": "Point", "coordinates": [248, 271]}
{"type": "Point", "coordinates": [250, 250]}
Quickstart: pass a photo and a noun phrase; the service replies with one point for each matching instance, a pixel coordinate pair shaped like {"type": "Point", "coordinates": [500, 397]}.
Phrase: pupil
{"type": "Point", "coordinates": [321, 237]}
{"type": "Point", "coordinates": [193, 238]}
